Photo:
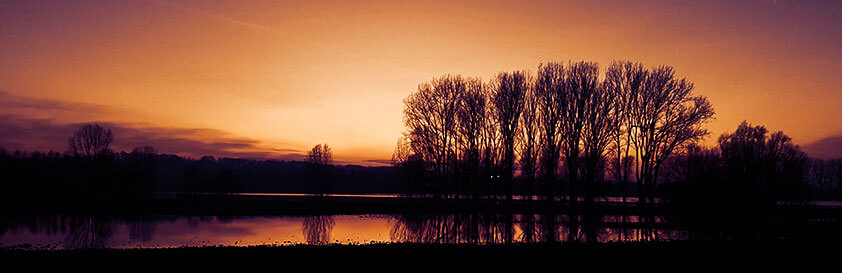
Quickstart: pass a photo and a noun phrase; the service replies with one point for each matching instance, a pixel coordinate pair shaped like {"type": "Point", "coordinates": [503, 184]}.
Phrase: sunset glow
{"type": "Point", "coordinates": [270, 79]}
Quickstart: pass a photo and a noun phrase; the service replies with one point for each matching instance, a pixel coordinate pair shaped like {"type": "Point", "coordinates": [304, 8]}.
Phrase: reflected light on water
{"type": "Point", "coordinates": [72, 232]}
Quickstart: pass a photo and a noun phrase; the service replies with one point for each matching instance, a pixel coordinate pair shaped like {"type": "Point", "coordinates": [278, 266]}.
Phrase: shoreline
{"type": "Point", "coordinates": [302, 204]}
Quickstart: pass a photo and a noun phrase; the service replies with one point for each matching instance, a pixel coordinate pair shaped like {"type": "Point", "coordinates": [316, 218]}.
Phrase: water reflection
{"type": "Point", "coordinates": [142, 230]}
{"type": "Point", "coordinates": [88, 232]}
{"type": "Point", "coordinates": [73, 232]}
{"type": "Point", "coordinates": [317, 229]}
{"type": "Point", "coordinates": [529, 228]}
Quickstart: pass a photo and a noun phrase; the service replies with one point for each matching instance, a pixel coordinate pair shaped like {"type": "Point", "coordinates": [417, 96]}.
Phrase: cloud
{"type": "Point", "coordinates": [43, 124]}
{"type": "Point", "coordinates": [51, 109]}
{"type": "Point", "coordinates": [378, 162]}
{"type": "Point", "coordinates": [21, 133]}
{"type": "Point", "coordinates": [827, 148]}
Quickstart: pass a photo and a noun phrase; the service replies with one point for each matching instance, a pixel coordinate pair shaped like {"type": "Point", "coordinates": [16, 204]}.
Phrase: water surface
{"type": "Point", "coordinates": [73, 232]}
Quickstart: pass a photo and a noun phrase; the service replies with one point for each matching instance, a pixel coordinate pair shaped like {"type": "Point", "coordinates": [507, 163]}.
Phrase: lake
{"type": "Point", "coordinates": [74, 232]}
{"type": "Point", "coordinates": [157, 229]}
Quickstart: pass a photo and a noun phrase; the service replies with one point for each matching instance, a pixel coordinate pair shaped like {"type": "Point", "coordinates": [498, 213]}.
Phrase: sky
{"type": "Point", "coordinates": [270, 79]}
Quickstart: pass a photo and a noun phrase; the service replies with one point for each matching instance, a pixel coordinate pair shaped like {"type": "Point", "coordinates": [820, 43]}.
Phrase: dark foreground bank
{"type": "Point", "coordinates": [687, 255]}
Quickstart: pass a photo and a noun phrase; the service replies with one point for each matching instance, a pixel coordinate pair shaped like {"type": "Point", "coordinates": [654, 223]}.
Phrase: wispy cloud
{"type": "Point", "coordinates": [827, 148]}
{"type": "Point", "coordinates": [45, 124]}
{"type": "Point", "coordinates": [378, 162]}
{"type": "Point", "coordinates": [62, 111]}
{"type": "Point", "coordinates": [287, 35]}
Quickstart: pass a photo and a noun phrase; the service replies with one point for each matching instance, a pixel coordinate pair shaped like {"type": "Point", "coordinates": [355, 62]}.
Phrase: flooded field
{"type": "Point", "coordinates": [74, 232]}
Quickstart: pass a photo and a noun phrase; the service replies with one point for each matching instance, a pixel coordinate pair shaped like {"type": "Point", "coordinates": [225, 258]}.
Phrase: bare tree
{"type": "Point", "coordinates": [472, 117]}
{"type": "Point", "coordinates": [823, 174]}
{"type": "Point", "coordinates": [624, 80]}
{"type": "Point", "coordinates": [430, 118]}
{"type": "Point", "coordinates": [549, 87]}
{"type": "Point", "coordinates": [597, 131]}
{"type": "Point", "coordinates": [528, 141]}
{"type": "Point", "coordinates": [321, 164]}
{"type": "Point", "coordinates": [508, 94]}
{"type": "Point", "coordinates": [410, 167]}
{"type": "Point", "coordinates": [459, 127]}
{"type": "Point", "coordinates": [91, 140]}
{"type": "Point", "coordinates": [663, 117]}
{"type": "Point", "coordinates": [581, 86]}
{"type": "Point", "coordinates": [492, 142]}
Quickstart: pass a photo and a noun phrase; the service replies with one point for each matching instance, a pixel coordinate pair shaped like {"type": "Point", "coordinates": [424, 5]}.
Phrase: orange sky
{"type": "Point", "coordinates": [273, 78]}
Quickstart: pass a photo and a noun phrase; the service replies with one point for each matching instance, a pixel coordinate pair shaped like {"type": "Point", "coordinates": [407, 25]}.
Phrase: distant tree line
{"type": "Point", "coordinates": [568, 130]}
{"type": "Point", "coordinates": [90, 173]}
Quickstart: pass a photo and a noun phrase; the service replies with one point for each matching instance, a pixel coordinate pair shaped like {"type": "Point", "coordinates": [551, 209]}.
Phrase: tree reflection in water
{"type": "Point", "coordinates": [451, 229]}
{"type": "Point", "coordinates": [81, 232]}
{"type": "Point", "coordinates": [317, 229]}
{"type": "Point", "coordinates": [88, 232]}
{"type": "Point", "coordinates": [142, 230]}
{"type": "Point", "coordinates": [527, 228]}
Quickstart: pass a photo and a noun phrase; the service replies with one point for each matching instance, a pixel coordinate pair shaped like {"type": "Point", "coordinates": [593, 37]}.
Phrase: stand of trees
{"type": "Point", "coordinates": [568, 131]}
{"type": "Point", "coordinates": [751, 167]}
{"type": "Point", "coordinates": [461, 130]}
{"type": "Point", "coordinates": [736, 186]}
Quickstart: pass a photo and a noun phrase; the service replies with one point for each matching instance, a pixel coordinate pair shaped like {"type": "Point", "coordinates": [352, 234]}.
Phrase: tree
{"type": "Point", "coordinates": [663, 117]}
{"type": "Point", "coordinates": [624, 80]}
{"type": "Point", "coordinates": [528, 140]}
{"type": "Point", "coordinates": [430, 119]}
{"type": "Point", "coordinates": [820, 173]}
{"type": "Point", "coordinates": [321, 163]}
{"type": "Point", "coordinates": [598, 127]}
{"type": "Point", "coordinates": [410, 167]}
{"type": "Point", "coordinates": [581, 87]}
{"type": "Point", "coordinates": [509, 90]}
{"type": "Point", "coordinates": [549, 88]}
{"type": "Point", "coordinates": [759, 165]}
{"type": "Point", "coordinates": [144, 156]}
{"type": "Point", "coordinates": [143, 170]}
{"type": "Point", "coordinates": [91, 140]}
{"type": "Point", "coordinates": [472, 116]}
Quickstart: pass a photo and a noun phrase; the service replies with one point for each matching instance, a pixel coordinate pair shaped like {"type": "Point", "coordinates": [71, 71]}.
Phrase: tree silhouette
{"type": "Point", "coordinates": [762, 163]}
{"type": "Point", "coordinates": [663, 117]}
{"type": "Point", "coordinates": [459, 127]}
{"type": "Point", "coordinates": [508, 94]}
{"type": "Point", "coordinates": [823, 174]}
{"type": "Point", "coordinates": [430, 119]}
{"type": "Point", "coordinates": [549, 88]}
{"type": "Point", "coordinates": [528, 140]}
{"type": "Point", "coordinates": [598, 127]}
{"type": "Point", "coordinates": [472, 118]}
{"type": "Point", "coordinates": [91, 140]}
{"type": "Point", "coordinates": [578, 94]}
{"type": "Point", "coordinates": [410, 167]}
{"type": "Point", "coordinates": [624, 80]}
{"type": "Point", "coordinates": [321, 162]}
{"type": "Point", "coordinates": [143, 158]}
{"type": "Point", "coordinates": [142, 169]}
